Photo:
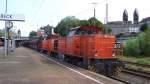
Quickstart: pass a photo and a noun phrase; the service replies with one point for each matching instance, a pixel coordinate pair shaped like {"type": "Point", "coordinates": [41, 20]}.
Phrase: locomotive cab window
{"type": "Point", "coordinates": [55, 44]}
{"type": "Point", "coordinates": [71, 33]}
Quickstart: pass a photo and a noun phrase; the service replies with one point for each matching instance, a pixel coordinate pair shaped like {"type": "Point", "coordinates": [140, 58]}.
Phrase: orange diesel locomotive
{"type": "Point", "coordinates": [87, 47]}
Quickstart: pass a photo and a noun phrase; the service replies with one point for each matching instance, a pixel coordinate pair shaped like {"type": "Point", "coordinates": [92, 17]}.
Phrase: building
{"type": "Point", "coordinates": [135, 17]}
{"type": "Point", "coordinates": [125, 29]}
{"type": "Point", "coordinates": [125, 26]}
{"type": "Point", "coordinates": [40, 32]}
{"type": "Point", "coordinates": [145, 21]}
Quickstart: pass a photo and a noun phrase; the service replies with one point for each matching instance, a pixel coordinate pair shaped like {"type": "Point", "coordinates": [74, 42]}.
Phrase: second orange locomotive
{"type": "Point", "coordinates": [85, 46]}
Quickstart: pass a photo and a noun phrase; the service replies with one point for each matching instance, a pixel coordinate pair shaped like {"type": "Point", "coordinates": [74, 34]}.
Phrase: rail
{"type": "Point", "coordinates": [119, 79]}
{"type": "Point", "coordinates": [137, 73]}
{"type": "Point", "coordinates": [143, 65]}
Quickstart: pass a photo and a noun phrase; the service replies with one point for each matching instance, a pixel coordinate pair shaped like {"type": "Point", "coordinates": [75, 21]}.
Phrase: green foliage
{"type": "Point", "coordinates": [2, 33]}
{"type": "Point", "coordinates": [69, 22]}
{"type": "Point", "coordinates": [84, 22]}
{"type": "Point", "coordinates": [109, 30]}
{"type": "Point", "coordinates": [132, 47]}
{"type": "Point", "coordinates": [120, 34]}
{"type": "Point", "coordinates": [93, 21]}
{"type": "Point", "coordinates": [137, 59]}
{"type": "Point", "coordinates": [32, 34]}
{"type": "Point", "coordinates": [139, 46]}
{"type": "Point", "coordinates": [141, 39]}
{"type": "Point", "coordinates": [142, 62]}
{"type": "Point", "coordinates": [144, 42]}
{"type": "Point", "coordinates": [144, 27]}
{"type": "Point", "coordinates": [65, 24]}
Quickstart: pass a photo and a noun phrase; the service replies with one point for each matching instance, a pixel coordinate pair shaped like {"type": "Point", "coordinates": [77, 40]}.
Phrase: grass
{"type": "Point", "coordinates": [135, 67]}
{"type": "Point", "coordinates": [137, 59]}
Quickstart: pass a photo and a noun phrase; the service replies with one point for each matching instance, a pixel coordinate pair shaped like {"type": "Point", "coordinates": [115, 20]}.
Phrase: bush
{"type": "Point", "coordinates": [144, 42]}
{"type": "Point", "coordinates": [132, 47]}
{"type": "Point", "coordinates": [144, 27]}
{"type": "Point", "coordinates": [139, 46]}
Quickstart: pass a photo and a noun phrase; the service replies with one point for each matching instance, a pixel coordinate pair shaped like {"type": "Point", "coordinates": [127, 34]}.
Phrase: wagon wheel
{"type": "Point", "coordinates": [117, 71]}
{"type": "Point", "coordinates": [93, 68]}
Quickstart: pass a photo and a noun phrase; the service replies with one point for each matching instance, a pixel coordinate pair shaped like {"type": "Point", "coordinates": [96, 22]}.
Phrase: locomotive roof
{"type": "Point", "coordinates": [85, 27]}
{"type": "Point", "coordinates": [75, 28]}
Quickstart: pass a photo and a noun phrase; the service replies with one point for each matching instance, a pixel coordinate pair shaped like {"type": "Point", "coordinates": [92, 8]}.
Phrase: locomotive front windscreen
{"type": "Point", "coordinates": [71, 33]}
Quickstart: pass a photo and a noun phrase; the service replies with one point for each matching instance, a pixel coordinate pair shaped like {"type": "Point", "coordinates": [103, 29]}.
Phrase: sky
{"type": "Point", "coordinates": [42, 12]}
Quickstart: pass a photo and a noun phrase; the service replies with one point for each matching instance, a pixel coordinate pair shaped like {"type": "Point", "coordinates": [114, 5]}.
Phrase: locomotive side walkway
{"type": "Point", "coordinates": [26, 66]}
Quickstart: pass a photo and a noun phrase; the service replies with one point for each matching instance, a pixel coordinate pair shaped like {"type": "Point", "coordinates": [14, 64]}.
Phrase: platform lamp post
{"type": "Point", "coordinates": [8, 25]}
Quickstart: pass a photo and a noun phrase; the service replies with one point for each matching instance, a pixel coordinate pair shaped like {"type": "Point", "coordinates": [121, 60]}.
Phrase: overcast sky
{"type": "Point", "coordinates": [42, 12]}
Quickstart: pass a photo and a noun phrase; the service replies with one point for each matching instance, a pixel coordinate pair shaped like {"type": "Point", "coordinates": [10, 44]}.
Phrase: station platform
{"type": "Point", "coordinates": [26, 66]}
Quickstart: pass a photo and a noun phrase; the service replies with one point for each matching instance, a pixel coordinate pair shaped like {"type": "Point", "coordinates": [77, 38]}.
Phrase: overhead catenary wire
{"type": "Point", "coordinates": [90, 8]}
{"type": "Point", "coordinates": [36, 12]}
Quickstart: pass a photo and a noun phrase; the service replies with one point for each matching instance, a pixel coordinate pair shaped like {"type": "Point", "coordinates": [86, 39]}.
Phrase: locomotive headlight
{"type": "Point", "coordinates": [96, 54]}
{"type": "Point", "coordinates": [113, 53]}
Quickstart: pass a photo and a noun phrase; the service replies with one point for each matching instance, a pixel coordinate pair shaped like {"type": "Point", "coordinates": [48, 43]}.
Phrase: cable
{"type": "Point", "coordinates": [90, 7]}
{"type": "Point", "coordinates": [84, 11]}
{"type": "Point", "coordinates": [37, 11]}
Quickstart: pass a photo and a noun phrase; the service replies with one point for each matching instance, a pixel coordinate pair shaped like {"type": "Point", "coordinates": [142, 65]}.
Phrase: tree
{"type": "Point", "coordinates": [139, 46]}
{"type": "Point", "coordinates": [93, 21]}
{"type": "Point", "coordinates": [132, 47]}
{"type": "Point", "coordinates": [2, 33]}
{"type": "Point", "coordinates": [69, 22]}
{"type": "Point", "coordinates": [65, 24]}
{"type": "Point", "coordinates": [144, 27]}
{"type": "Point", "coordinates": [47, 30]}
{"type": "Point", "coordinates": [109, 30]}
{"type": "Point", "coordinates": [32, 34]}
{"type": "Point", "coordinates": [84, 22]}
{"type": "Point", "coordinates": [144, 42]}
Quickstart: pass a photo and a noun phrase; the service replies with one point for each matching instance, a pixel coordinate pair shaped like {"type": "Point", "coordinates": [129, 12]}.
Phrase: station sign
{"type": "Point", "coordinates": [12, 17]}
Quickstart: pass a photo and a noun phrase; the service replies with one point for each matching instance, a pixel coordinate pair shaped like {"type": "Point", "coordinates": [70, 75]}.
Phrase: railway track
{"type": "Point", "coordinates": [74, 66]}
{"type": "Point", "coordinates": [133, 63]}
{"type": "Point", "coordinates": [137, 73]}
{"type": "Point", "coordinates": [120, 79]}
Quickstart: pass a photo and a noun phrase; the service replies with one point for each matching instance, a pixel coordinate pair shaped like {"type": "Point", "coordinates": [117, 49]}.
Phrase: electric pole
{"type": "Point", "coordinates": [106, 17]}
{"type": "Point", "coordinates": [94, 4]}
{"type": "Point", "coordinates": [5, 33]}
{"type": "Point", "coordinates": [106, 12]}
